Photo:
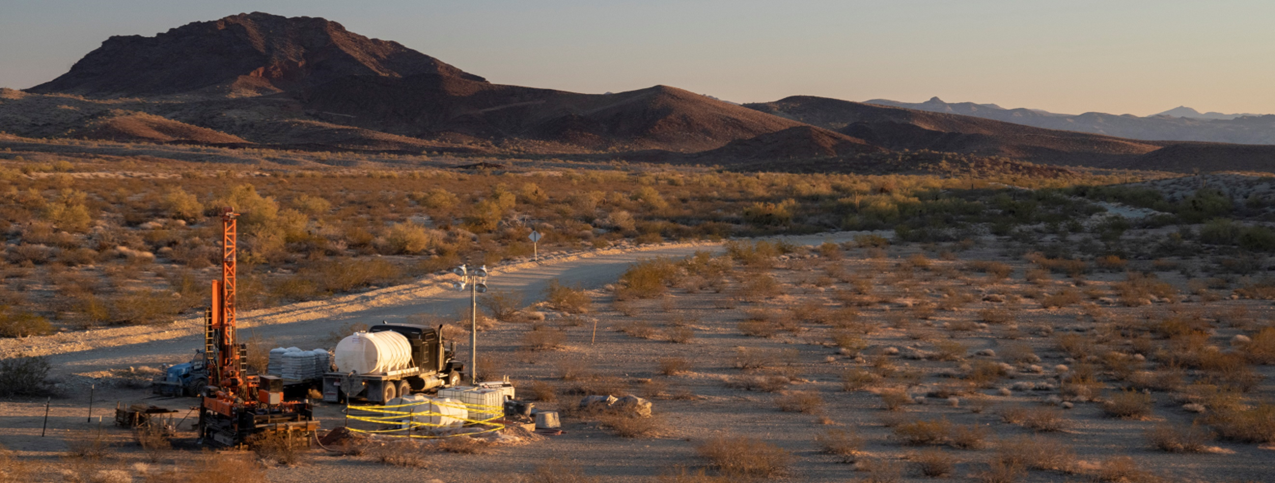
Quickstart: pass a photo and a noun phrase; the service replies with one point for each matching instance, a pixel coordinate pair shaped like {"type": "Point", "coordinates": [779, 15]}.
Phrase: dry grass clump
{"type": "Point", "coordinates": [880, 470]}
{"type": "Point", "coordinates": [758, 328]}
{"type": "Point", "coordinates": [1129, 404]}
{"type": "Point", "coordinates": [1035, 452]}
{"type": "Point", "coordinates": [1248, 425]}
{"type": "Point", "coordinates": [839, 442]}
{"type": "Point", "coordinates": [626, 425]}
{"type": "Point", "coordinates": [894, 399]}
{"type": "Point", "coordinates": [924, 432]}
{"type": "Point", "coordinates": [745, 457]}
{"type": "Point", "coordinates": [12, 468]}
{"type": "Point", "coordinates": [968, 436]}
{"type": "Point", "coordinates": [764, 383]}
{"type": "Point", "coordinates": [1180, 438]}
{"type": "Point", "coordinates": [1075, 345]}
{"type": "Point", "coordinates": [567, 299]}
{"type": "Point", "coordinates": [996, 315]}
{"type": "Point", "coordinates": [406, 454]}
{"type": "Point", "coordinates": [679, 335]}
{"type": "Point", "coordinates": [1043, 419]}
{"type": "Point", "coordinates": [153, 438]}
{"type": "Point", "coordinates": [985, 373]}
{"type": "Point", "coordinates": [1123, 469]}
{"type": "Point", "coordinates": [544, 338]}
{"type": "Point", "coordinates": [1261, 347]}
{"type": "Point", "coordinates": [463, 445]}
{"type": "Point", "coordinates": [672, 366]}
{"type": "Point", "coordinates": [542, 391]}
{"type": "Point", "coordinates": [1018, 352]}
{"type": "Point", "coordinates": [1063, 298]}
{"type": "Point", "coordinates": [88, 445]}
{"type": "Point", "coordinates": [994, 270]}
{"type": "Point", "coordinates": [807, 402]}
{"type": "Point", "coordinates": [211, 467]}
{"type": "Point", "coordinates": [856, 379]}
{"type": "Point", "coordinates": [283, 448]}
{"type": "Point", "coordinates": [1000, 472]}
{"type": "Point", "coordinates": [934, 463]}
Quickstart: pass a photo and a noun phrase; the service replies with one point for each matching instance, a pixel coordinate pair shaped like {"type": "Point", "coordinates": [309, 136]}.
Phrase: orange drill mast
{"type": "Point", "coordinates": [228, 372]}
{"type": "Point", "coordinates": [236, 407]}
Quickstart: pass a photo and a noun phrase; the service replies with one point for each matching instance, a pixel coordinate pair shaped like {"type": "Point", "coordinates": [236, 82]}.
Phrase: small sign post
{"type": "Point", "coordinates": [535, 237]}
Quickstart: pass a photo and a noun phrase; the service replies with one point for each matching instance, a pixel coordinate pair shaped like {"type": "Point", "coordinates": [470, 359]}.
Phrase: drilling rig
{"type": "Point", "coordinates": [235, 407]}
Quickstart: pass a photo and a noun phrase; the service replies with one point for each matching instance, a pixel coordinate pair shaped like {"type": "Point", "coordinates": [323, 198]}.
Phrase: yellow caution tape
{"type": "Point", "coordinates": [387, 415]}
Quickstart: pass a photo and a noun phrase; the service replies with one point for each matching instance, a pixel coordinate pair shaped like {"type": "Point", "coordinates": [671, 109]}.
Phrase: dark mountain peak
{"type": "Point", "coordinates": [248, 53]}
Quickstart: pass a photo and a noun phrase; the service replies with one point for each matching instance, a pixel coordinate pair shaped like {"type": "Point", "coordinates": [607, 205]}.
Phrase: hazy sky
{"type": "Point", "coordinates": [1118, 56]}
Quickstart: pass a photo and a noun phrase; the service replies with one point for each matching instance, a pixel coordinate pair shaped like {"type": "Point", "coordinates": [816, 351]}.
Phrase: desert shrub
{"type": "Point", "coordinates": [800, 402]}
{"type": "Point", "coordinates": [758, 328]}
{"type": "Point", "coordinates": [759, 287]}
{"type": "Point", "coordinates": [994, 270]}
{"type": "Point", "coordinates": [770, 214]}
{"type": "Point", "coordinates": [1000, 472]}
{"type": "Point", "coordinates": [24, 376]}
{"type": "Point", "coordinates": [567, 299]}
{"type": "Point", "coordinates": [212, 467]}
{"type": "Point", "coordinates": [985, 373]}
{"type": "Point", "coordinates": [764, 383]}
{"type": "Point", "coordinates": [1111, 262]}
{"type": "Point", "coordinates": [1123, 469]}
{"type": "Point", "coordinates": [949, 350]}
{"type": "Point", "coordinates": [894, 399]}
{"type": "Point", "coordinates": [558, 471]}
{"type": "Point", "coordinates": [934, 463]}
{"type": "Point", "coordinates": [463, 445]}
{"type": "Point", "coordinates": [544, 338]}
{"type": "Point", "coordinates": [542, 391]}
{"type": "Point", "coordinates": [745, 456]}
{"type": "Point", "coordinates": [1129, 405]}
{"type": "Point", "coordinates": [671, 366]}
{"type": "Point", "coordinates": [968, 436]}
{"type": "Point", "coordinates": [405, 454]}
{"type": "Point", "coordinates": [648, 278]}
{"type": "Point", "coordinates": [1249, 425]}
{"type": "Point", "coordinates": [628, 426]}
{"type": "Point", "coordinates": [1035, 452]}
{"type": "Point", "coordinates": [1261, 346]}
{"type": "Point", "coordinates": [21, 323]}
{"type": "Point", "coordinates": [1017, 352]}
{"type": "Point", "coordinates": [1075, 345]}
{"type": "Point", "coordinates": [88, 445]}
{"type": "Point", "coordinates": [995, 315]}
{"type": "Point", "coordinates": [858, 379]}
{"type": "Point", "coordinates": [680, 335]}
{"type": "Point", "coordinates": [1064, 298]}
{"type": "Point", "coordinates": [503, 305]}
{"type": "Point", "coordinates": [12, 468]}
{"type": "Point", "coordinates": [924, 432]}
{"type": "Point", "coordinates": [1044, 419]}
{"type": "Point", "coordinates": [153, 438]}
{"type": "Point", "coordinates": [839, 442]}
{"type": "Point", "coordinates": [850, 342]}
{"type": "Point", "coordinates": [1179, 438]}
{"type": "Point", "coordinates": [283, 448]}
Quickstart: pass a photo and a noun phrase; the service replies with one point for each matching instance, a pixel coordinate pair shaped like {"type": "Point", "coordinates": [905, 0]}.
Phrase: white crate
{"type": "Point", "coordinates": [491, 400]}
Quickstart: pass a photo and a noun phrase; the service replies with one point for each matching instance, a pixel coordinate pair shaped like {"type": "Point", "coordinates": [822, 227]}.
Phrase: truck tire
{"type": "Point", "coordinates": [389, 390]}
{"type": "Point", "coordinates": [404, 388]}
{"type": "Point", "coordinates": [195, 387]}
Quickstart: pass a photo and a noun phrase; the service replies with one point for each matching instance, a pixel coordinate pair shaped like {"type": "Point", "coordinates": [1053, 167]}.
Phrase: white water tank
{"type": "Point", "coordinates": [436, 412]}
{"type": "Point", "coordinates": [373, 352]}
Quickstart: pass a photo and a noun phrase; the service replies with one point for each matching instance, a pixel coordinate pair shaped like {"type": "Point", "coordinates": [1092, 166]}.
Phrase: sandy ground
{"type": "Point", "coordinates": [695, 405]}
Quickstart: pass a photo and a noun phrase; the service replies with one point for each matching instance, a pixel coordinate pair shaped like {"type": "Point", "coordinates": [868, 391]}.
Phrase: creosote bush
{"type": "Point", "coordinates": [1179, 438]}
{"type": "Point", "coordinates": [567, 299]}
{"type": "Point", "coordinates": [745, 456]}
{"type": "Point", "coordinates": [24, 376]}
{"type": "Point", "coordinates": [839, 442]}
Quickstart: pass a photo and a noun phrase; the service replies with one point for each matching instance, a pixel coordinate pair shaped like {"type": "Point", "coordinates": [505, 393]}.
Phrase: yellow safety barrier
{"type": "Point", "coordinates": [396, 416]}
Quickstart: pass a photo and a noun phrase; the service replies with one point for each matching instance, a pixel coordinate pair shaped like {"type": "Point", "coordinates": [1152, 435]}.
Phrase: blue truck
{"type": "Point", "coordinates": [183, 379]}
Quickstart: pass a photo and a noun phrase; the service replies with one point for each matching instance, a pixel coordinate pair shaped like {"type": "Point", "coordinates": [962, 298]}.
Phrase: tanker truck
{"type": "Point", "coordinates": [389, 361]}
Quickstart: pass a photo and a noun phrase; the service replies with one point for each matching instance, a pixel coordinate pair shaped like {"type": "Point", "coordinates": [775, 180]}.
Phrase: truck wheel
{"type": "Point", "coordinates": [195, 387]}
{"type": "Point", "coordinates": [388, 391]}
{"type": "Point", "coordinates": [404, 388]}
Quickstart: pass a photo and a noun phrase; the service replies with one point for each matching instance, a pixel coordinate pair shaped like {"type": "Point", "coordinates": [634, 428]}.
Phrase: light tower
{"type": "Point", "coordinates": [476, 281]}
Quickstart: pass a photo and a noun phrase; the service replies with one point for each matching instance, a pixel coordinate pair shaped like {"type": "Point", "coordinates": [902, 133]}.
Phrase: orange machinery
{"type": "Point", "coordinates": [237, 407]}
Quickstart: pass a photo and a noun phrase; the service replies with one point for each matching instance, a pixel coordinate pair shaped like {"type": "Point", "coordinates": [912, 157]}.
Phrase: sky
{"type": "Point", "coordinates": [1068, 56]}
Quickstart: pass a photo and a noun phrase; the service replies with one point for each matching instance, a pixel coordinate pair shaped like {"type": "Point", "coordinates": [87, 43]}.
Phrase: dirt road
{"type": "Point", "coordinates": [308, 324]}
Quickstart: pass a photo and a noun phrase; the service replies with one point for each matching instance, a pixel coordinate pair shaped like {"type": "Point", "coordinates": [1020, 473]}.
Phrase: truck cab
{"type": "Point", "coordinates": [432, 367]}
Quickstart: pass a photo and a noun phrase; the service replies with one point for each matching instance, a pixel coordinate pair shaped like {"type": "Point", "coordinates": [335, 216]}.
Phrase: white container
{"type": "Point", "coordinates": [373, 352]}
{"type": "Point", "coordinates": [483, 403]}
{"type": "Point", "coordinates": [436, 412]}
{"type": "Point", "coordinates": [505, 387]}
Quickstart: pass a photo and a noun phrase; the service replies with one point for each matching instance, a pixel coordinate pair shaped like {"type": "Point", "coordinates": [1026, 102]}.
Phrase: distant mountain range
{"type": "Point", "coordinates": [261, 80]}
{"type": "Point", "coordinates": [1178, 124]}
